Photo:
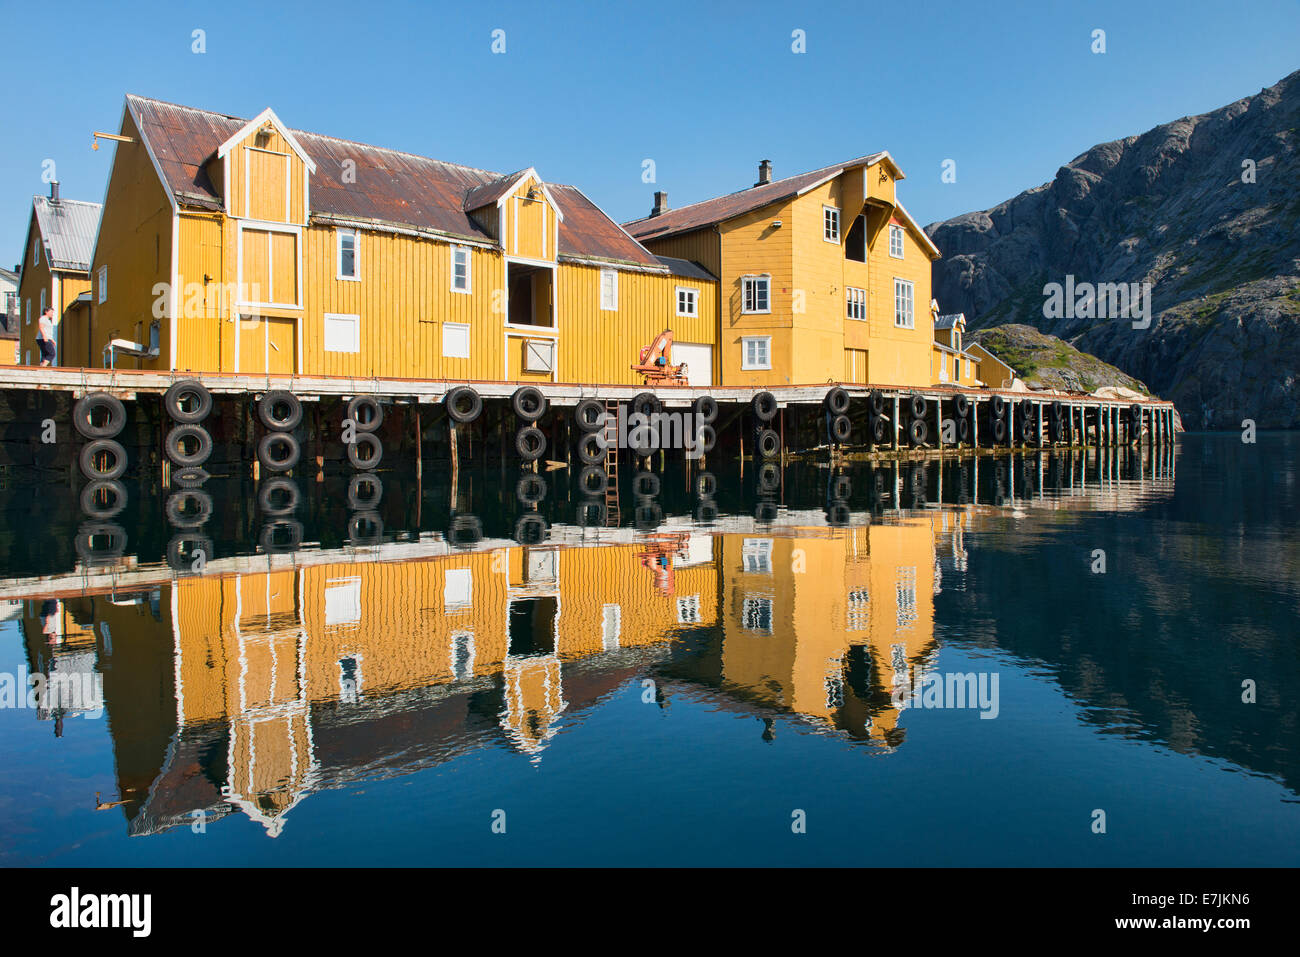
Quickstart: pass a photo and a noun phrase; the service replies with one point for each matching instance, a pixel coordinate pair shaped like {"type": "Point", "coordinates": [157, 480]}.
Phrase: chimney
{"type": "Point", "coordinates": [764, 173]}
{"type": "Point", "coordinates": [661, 203]}
{"type": "Point", "coordinates": [54, 192]}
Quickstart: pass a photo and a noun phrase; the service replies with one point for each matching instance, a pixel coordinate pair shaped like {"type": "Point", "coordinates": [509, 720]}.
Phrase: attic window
{"type": "Point", "coordinates": [103, 284]}
{"type": "Point", "coordinates": [896, 241]}
{"type": "Point", "coordinates": [830, 224]}
{"type": "Point", "coordinates": [608, 289]}
{"type": "Point", "coordinates": [349, 254]}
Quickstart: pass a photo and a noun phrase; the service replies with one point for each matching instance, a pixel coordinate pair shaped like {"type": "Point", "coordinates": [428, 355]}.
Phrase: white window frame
{"type": "Point", "coordinates": [456, 327]}
{"type": "Point", "coordinates": [609, 303]}
{"type": "Point", "coordinates": [756, 555]}
{"type": "Point", "coordinates": [943, 367]}
{"type": "Point", "coordinates": [339, 235]}
{"type": "Point", "coordinates": [751, 282]}
{"type": "Point", "coordinates": [356, 331]}
{"type": "Point", "coordinates": [29, 310]}
{"type": "Point", "coordinates": [692, 299]}
{"type": "Point", "coordinates": [754, 610]}
{"type": "Point", "coordinates": [42, 312]}
{"type": "Point", "coordinates": [908, 321]}
{"type": "Point", "coordinates": [831, 224]}
{"type": "Point", "coordinates": [611, 626]}
{"type": "Point", "coordinates": [101, 284]}
{"type": "Point", "coordinates": [745, 363]}
{"type": "Point", "coordinates": [36, 251]}
{"type": "Point", "coordinates": [855, 297]}
{"type": "Point", "coordinates": [895, 240]}
{"type": "Point", "coordinates": [469, 270]}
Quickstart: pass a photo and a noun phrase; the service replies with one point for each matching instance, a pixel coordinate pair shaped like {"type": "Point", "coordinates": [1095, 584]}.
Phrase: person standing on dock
{"type": "Point", "coordinates": [45, 336]}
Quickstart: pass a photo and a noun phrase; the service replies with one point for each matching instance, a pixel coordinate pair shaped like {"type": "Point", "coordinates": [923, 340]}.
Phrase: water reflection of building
{"type": "Point", "coordinates": [250, 691]}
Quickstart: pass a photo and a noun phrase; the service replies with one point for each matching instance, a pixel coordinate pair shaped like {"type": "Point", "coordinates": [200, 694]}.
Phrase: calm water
{"type": "Point", "coordinates": [765, 675]}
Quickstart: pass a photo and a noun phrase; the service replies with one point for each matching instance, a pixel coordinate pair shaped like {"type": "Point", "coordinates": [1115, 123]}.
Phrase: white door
{"type": "Point", "coordinates": [699, 361]}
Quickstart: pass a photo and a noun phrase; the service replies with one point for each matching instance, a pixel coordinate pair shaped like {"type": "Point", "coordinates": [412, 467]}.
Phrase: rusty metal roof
{"type": "Point", "coordinates": [68, 230]}
{"type": "Point", "coordinates": [389, 188]}
{"type": "Point", "coordinates": [717, 210]}
{"type": "Point", "coordinates": [489, 193]}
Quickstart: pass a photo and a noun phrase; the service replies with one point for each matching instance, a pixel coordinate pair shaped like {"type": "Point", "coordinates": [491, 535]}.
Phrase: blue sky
{"type": "Point", "coordinates": [586, 91]}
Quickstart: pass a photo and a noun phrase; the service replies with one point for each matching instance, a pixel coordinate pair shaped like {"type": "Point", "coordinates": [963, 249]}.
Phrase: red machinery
{"type": "Point", "coordinates": [655, 362]}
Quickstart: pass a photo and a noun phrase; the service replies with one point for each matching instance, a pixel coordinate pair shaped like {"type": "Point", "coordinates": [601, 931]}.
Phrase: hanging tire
{"type": "Point", "coordinates": [359, 499]}
{"type": "Point", "coordinates": [706, 407]}
{"type": "Point", "coordinates": [279, 451]}
{"type": "Point", "coordinates": [768, 443]}
{"type": "Point", "coordinates": [370, 441]}
{"type": "Point", "coordinates": [917, 405]}
{"type": "Point", "coordinates": [960, 405]}
{"type": "Point", "coordinates": [92, 450]}
{"type": "Point", "coordinates": [879, 431]}
{"type": "Point", "coordinates": [111, 489]}
{"type": "Point", "coordinates": [530, 529]}
{"type": "Point", "coordinates": [591, 448]}
{"type": "Point", "coordinates": [280, 410]}
{"type": "Point", "coordinates": [179, 516]}
{"type": "Point", "coordinates": [646, 483]}
{"type": "Point", "coordinates": [646, 403]}
{"type": "Point", "coordinates": [188, 401]}
{"type": "Point", "coordinates": [530, 443]}
{"type": "Point", "coordinates": [999, 407]}
{"type": "Point", "coordinates": [530, 489]}
{"type": "Point", "coordinates": [281, 537]}
{"type": "Point", "coordinates": [593, 481]}
{"type": "Point", "coordinates": [764, 406]}
{"type": "Point", "coordinates": [463, 404]}
{"type": "Point", "coordinates": [589, 415]}
{"type": "Point", "coordinates": [201, 546]}
{"type": "Point", "coordinates": [963, 430]}
{"type": "Point", "coordinates": [840, 429]}
{"type": "Point", "coordinates": [266, 497]}
{"type": "Point", "coordinates": [999, 430]}
{"type": "Point", "coordinates": [876, 402]}
{"type": "Point", "coordinates": [366, 528]}
{"type": "Point", "coordinates": [110, 406]}
{"type": "Point", "coordinates": [769, 478]}
{"type": "Point", "coordinates": [100, 543]}
{"type": "Point", "coordinates": [837, 401]}
{"type": "Point", "coordinates": [465, 531]}
{"type": "Point", "coordinates": [918, 432]}
{"type": "Point", "coordinates": [1135, 414]}
{"type": "Point", "coordinates": [706, 485]}
{"type": "Point", "coordinates": [174, 445]}
{"type": "Point", "coordinates": [529, 403]}
{"type": "Point", "coordinates": [1058, 410]}
{"type": "Point", "coordinates": [366, 413]}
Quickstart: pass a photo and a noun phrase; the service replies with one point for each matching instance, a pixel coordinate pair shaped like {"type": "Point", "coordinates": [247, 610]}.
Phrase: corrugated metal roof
{"type": "Point", "coordinates": [686, 268]}
{"type": "Point", "coordinates": [390, 187]}
{"type": "Point", "coordinates": [717, 210]}
{"type": "Point", "coordinates": [948, 321]}
{"type": "Point", "coordinates": [68, 230]}
{"type": "Point", "coordinates": [489, 193]}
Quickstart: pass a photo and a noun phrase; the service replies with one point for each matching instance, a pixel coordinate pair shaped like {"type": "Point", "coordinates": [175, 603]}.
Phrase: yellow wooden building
{"type": "Point", "coordinates": [235, 245]}
{"type": "Point", "coordinates": [55, 271]}
{"type": "Point", "coordinates": [951, 364]}
{"type": "Point", "coordinates": [823, 275]}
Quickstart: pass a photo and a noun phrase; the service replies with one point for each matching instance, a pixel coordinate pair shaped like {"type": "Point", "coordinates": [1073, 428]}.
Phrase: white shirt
{"type": "Point", "coordinates": [46, 326]}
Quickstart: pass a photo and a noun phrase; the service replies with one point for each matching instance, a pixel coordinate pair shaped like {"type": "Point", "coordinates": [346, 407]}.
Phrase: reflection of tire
{"type": "Point", "coordinates": [366, 528]}
{"type": "Point", "coordinates": [918, 432]}
{"type": "Point", "coordinates": [189, 392]}
{"type": "Point", "coordinates": [841, 487]}
{"type": "Point", "coordinates": [365, 412]}
{"type": "Point", "coordinates": [840, 429]}
{"type": "Point", "coordinates": [464, 531]}
{"type": "Point", "coordinates": [266, 500]}
{"type": "Point", "coordinates": [100, 543]}
{"type": "Point", "coordinates": [372, 443]}
{"type": "Point", "coordinates": [768, 443]}
{"type": "Point", "coordinates": [706, 485]}
{"type": "Point", "coordinates": [706, 407]}
{"type": "Point", "coordinates": [91, 451]}
{"type": "Point", "coordinates": [111, 489]}
{"type": "Point", "coordinates": [83, 415]}
{"type": "Point", "coordinates": [363, 501]}
{"type": "Point", "coordinates": [530, 443]}
{"type": "Point", "coordinates": [463, 404]}
{"type": "Point", "coordinates": [592, 514]}
{"type": "Point", "coordinates": [529, 403]}
{"type": "Point", "coordinates": [764, 406]}
{"type": "Point", "coordinates": [530, 489]}
{"type": "Point", "coordinates": [174, 445]}
{"type": "Point", "coordinates": [766, 512]}
{"type": "Point", "coordinates": [769, 477]}
{"type": "Point", "coordinates": [179, 516]}
{"type": "Point", "coordinates": [648, 516]}
{"type": "Point", "coordinates": [279, 410]}
{"type": "Point", "coordinates": [646, 483]}
{"type": "Point", "coordinates": [592, 480]}
{"type": "Point", "coordinates": [838, 514]}
{"type": "Point", "coordinates": [190, 478]}
{"type": "Point", "coordinates": [591, 448]}
{"type": "Point", "coordinates": [279, 451]}
{"type": "Point", "coordinates": [201, 545]}
{"type": "Point", "coordinates": [589, 414]}
{"type": "Point", "coordinates": [281, 536]}
{"type": "Point", "coordinates": [706, 511]}
{"type": "Point", "coordinates": [705, 439]}
{"type": "Point", "coordinates": [530, 529]}
{"type": "Point", "coordinates": [837, 401]}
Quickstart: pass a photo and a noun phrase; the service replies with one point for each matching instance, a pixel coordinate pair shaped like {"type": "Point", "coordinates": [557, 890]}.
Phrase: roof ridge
{"type": "Point", "coordinates": [62, 200]}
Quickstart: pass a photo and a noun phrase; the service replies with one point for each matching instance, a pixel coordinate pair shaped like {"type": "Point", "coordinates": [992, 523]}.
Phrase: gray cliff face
{"type": "Point", "coordinates": [1169, 208]}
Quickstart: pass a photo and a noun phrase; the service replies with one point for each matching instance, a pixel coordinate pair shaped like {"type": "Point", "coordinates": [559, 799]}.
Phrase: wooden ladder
{"type": "Point", "coordinates": [613, 518]}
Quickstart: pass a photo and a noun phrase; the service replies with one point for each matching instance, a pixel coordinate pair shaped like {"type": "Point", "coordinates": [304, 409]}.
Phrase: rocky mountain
{"type": "Point", "coordinates": [1048, 362]}
{"type": "Point", "coordinates": [1206, 210]}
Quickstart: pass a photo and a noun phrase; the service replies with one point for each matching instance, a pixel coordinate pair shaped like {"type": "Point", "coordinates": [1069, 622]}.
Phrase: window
{"type": "Point", "coordinates": [756, 615]}
{"type": "Point", "coordinates": [458, 590]}
{"type": "Point", "coordinates": [755, 294]}
{"type": "Point", "coordinates": [903, 317]}
{"type": "Point", "coordinates": [462, 655]}
{"type": "Point", "coordinates": [970, 369]}
{"type": "Point", "coordinates": [905, 594]}
{"type": "Point", "coordinates": [29, 311]}
{"type": "Point", "coordinates": [349, 242]}
{"type": "Point", "coordinates": [36, 251]}
{"type": "Point", "coordinates": [687, 301]}
{"type": "Point", "coordinates": [343, 601]}
{"type": "Point", "coordinates": [455, 340]}
{"type": "Point", "coordinates": [611, 626]}
{"type": "Point", "coordinates": [342, 332]}
{"type": "Point", "coordinates": [42, 312]}
{"type": "Point", "coordinates": [859, 612]}
{"type": "Point", "coordinates": [539, 355]}
{"type": "Point", "coordinates": [460, 277]}
{"type": "Point", "coordinates": [896, 241]}
{"type": "Point", "coordinates": [688, 610]}
{"type": "Point", "coordinates": [756, 555]}
{"type": "Point", "coordinates": [608, 289]}
{"type": "Point", "coordinates": [831, 224]}
{"type": "Point", "coordinates": [855, 243]}
{"type": "Point", "coordinates": [756, 352]}
{"type": "Point", "coordinates": [103, 284]}
{"type": "Point", "coordinates": [943, 367]}
{"type": "Point", "coordinates": [855, 303]}
{"type": "Point", "coordinates": [350, 679]}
